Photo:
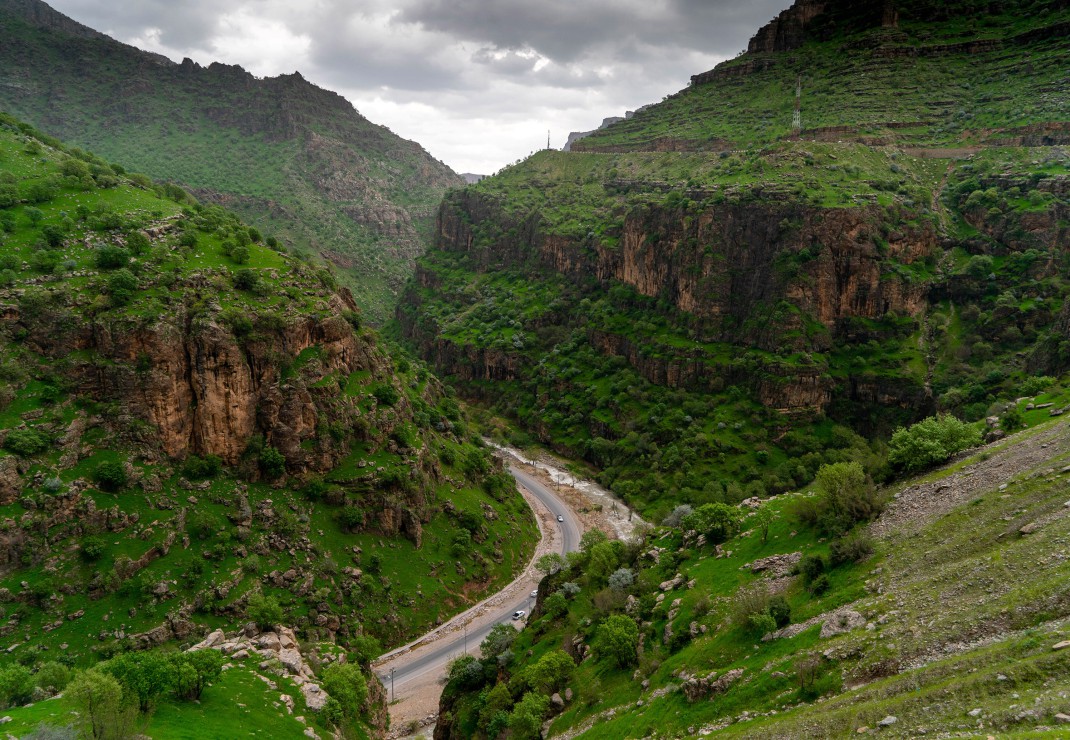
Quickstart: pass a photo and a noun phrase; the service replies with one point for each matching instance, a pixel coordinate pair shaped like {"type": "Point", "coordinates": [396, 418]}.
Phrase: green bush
{"type": "Point", "coordinates": [763, 623]}
{"type": "Point", "coordinates": [93, 548]}
{"type": "Point", "coordinates": [272, 463]}
{"type": "Point", "coordinates": [346, 685]}
{"type": "Point", "coordinates": [27, 442]}
{"type": "Point", "coordinates": [930, 442]}
{"type": "Point", "coordinates": [52, 677]}
{"type": "Point", "coordinates": [122, 285]}
{"type": "Point", "coordinates": [780, 611]}
{"type": "Point", "coordinates": [111, 257]}
{"type": "Point", "coordinates": [810, 567]}
{"type": "Point", "coordinates": [199, 468]}
{"type": "Point", "coordinates": [110, 476]}
{"type": "Point", "coordinates": [851, 549]}
{"type": "Point", "coordinates": [719, 522]}
{"type": "Point", "coordinates": [246, 279]}
{"type": "Point", "coordinates": [16, 686]}
{"type": "Point", "coordinates": [618, 639]}
{"type": "Point", "coordinates": [192, 672]}
{"type": "Point", "coordinates": [846, 497]}
{"type": "Point", "coordinates": [265, 610]}
{"type": "Point", "coordinates": [386, 394]}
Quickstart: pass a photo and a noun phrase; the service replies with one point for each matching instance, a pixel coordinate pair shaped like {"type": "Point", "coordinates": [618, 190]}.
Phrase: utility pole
{"type": "Point", "coordinates": [548, 139]}
{"type": "Point", "coordinates": [391, 684]}
{"type": "Point", "coordinates": [466, 638]}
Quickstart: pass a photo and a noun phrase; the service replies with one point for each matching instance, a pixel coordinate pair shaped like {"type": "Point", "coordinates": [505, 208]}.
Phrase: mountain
{"type": "Point", "coordinates": [708, 304]}
{"type": "Point", "coordinates": [297, 161]}
{"type": "Point", "coordinates": [199, 434]}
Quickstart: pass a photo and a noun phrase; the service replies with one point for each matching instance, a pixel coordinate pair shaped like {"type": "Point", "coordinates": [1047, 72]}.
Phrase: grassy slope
{"type": "Point", "coordinates": [961, 613]}
{"type": "Point", "coordinates": [414, 588]}
{"type": "Point", "coordinates": [292, 159]}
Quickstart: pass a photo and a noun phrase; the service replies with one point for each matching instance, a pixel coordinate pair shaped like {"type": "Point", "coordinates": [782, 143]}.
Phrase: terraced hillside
{"type": "Point", "coordinates": [197, 431]}
{"type": "Point", "coordinates": [293, 159]}
{"type": "Point", "coordinates": [707, 305]}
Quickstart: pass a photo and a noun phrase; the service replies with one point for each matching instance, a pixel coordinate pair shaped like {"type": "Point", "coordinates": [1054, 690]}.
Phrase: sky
{"type": "Point", "coordinates": [478, 83]}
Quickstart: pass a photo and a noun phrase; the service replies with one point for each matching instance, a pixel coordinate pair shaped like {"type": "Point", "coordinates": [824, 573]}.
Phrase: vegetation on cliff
{"type": "Point", "coordinates": [196, 431]}
{"type": "Point", "coordinates": [716, 319]}
{"type": "Point", "coordinates": [291, 158]}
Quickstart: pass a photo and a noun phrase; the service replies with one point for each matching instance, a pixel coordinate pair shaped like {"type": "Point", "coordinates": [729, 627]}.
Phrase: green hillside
{"type": "Point", "coordinates": [294, 160]}
{"type": "Point", "coordinates": [707, 307]}
{"type": "Point", "coordinates": [197, 430]}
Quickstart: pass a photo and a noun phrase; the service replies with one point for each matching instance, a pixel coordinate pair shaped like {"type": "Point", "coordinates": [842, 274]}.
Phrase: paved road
{"type": "Point", "coordinates": [408, 671]}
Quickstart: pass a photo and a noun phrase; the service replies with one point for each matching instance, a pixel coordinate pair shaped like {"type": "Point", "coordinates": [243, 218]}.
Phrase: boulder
{"type": "Point", "coordinates": [269, 641]}
{"type": "Point", "coordinates": [888, 721]}
{"type": "Point", "coordinates": [291, 660]}
{"type": "Point", "coordinates": [315, 697]}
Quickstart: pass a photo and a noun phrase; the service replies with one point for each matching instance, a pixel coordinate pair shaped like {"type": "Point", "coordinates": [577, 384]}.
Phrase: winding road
{"type": "Point", "coordinates": [421, 663]}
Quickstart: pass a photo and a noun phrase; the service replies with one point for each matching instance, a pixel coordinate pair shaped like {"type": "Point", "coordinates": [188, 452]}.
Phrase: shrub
{"type": "Point", "coordinates": [246, 279]}
{"type": "Point", "coordinates": [198, 468]}
{"type": "Point", "coordinates": [749, 602]}
{"type": "Point", "coordinates": [27, 442]}
{"type": "Point", "coordinates": [137, 242]}
{"type": "Point", "coordinates": [111, 257]}
{"type": "Point", "coordinates": [930, 442]}
{"type": "Point", "coordinates": [264, 610]}
{"type": "Point", "coordinates": [618, 639]}
{"type": "Point", "coordinates": [346, 685]}
{"type": "Point", "coordinates": [846, 497]}
{"type": "Point", "coordinates": [102, 711]}
{"type": "Point", "coordinates": [110, 476]}
{"type": "Point", "coordinates": [763, 623]}
{"type": "Point", "coordinates": [780, 611]}
{"type": "Point", "coordinates": [819, 585]}
{"type": "Point", "coordinates": [386, 394]}
{"type": "Point", "coordinates": [525, 721]}
{"type": "Point", "coordinates": [92, 548]}
{"type": "Point", "coordinates": [1011, 420]}
{"type": "Point", "coordinates": [810, 567]}
{"type": "Point", "coordinates": [272, 463]}
{"type": "Point", "coordinates": [191, 672]}
{"type": "Point", "coordinates": [121, 286]}
{"type": "Point", "coordinates": [851, 549]}
{"type": "Point", "coordinates": [146, 676]}
{"type": "Point", "coordinates": [52, 677]}
{"type": "Point", "coordinates": [16, 686]}
{"type": "Point", "coordinates": [719, 522]}
{"type": "Point", "coordinates": [363, 649]}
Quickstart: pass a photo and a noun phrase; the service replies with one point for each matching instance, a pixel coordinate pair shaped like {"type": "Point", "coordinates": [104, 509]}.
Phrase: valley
{"type": "Point", "coordinates": [744, 416]}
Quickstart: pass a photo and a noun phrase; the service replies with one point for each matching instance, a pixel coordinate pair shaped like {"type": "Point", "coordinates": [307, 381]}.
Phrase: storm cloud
{"type": "Point", "coordinates": [477, 82]}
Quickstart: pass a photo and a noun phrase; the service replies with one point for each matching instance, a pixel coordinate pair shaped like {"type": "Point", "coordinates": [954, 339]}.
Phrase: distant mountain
{"type": "Point", "coordinates": [294, 159]}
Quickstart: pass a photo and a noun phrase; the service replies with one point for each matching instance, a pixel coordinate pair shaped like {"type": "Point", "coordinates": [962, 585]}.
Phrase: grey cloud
{"type": "Point", "coordinates": [182, 23]}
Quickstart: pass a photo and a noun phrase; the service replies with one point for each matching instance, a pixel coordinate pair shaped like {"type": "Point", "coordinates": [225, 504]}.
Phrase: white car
{"type": "Point", "coordinates": [534, 593]}
{"type": "Point", "coordinates": [519, 614]}
{"type": "Point", "coordinates": [560, 518]}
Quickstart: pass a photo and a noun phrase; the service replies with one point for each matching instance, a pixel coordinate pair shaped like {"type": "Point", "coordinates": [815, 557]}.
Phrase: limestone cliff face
{"type": "Point", "coordinates": [203, 390]}
{"type": "Point", "coordinates": [726, 263]}
{"type": "Point", "coordinates": [779, 277]}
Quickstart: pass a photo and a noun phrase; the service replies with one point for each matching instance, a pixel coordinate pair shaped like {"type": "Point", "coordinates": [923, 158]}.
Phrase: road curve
{"type": "Point", "coordinates": [423, 665]}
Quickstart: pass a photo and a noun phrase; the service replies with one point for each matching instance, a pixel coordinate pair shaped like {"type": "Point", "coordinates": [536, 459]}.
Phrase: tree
{"type": "Point", "coordinates": [501, 638]}
{"type": "Point", "coordinates": [550, 564]}
{"type": "Point", "coordinates": [111, 257]}
{"type": "Point", "coordinates": [16, 685]}
{"type": "Point", "coordinates": [246, 279]}
{"type": "Point", "coordinates": [618, 639]}
{"type": "Point", "coordinates": [98, 698]}
{"type": "Point", "coordinates": [110, 476]}
{"type": "Point", "coordinates": [145, 676]}
{"type": "Point", "coordinates": [763, 518]}
{"type": "Point", "coordinates": [551, 672]}
{"type": "Point", "coordinates": [930, 442]}
{"type": "Point", "coordinates": [52, 677]}
{"type": "Point", "coordinates": [240, 254]}
{"type": "Point", "coordinates": [719, 522]}
{"type": "Point", "coordinates": [272, 463]}
{"type": "Point", "coordinates": [345, 683]}
{"type": "Point", "coordinates": [678, 515]}
{"type": "Point", "coordinates": [525, 721]}
{"type": "Point", "coordinates": [622, 579]}
{"type": "Point", "coordinates": [846, 497]}
{"type": "Point", "coordinates": [193, 671]}
{"type": "Point", "coordinates": [591, 538]}
{"type": "Point", "coordinates": [555, 606]}
{"type": "Point", "coordinates": [121, 286]}
{"type": "Point", "coordinates": [264, 610]}
{"type": "Point", "coordinates": [603, 561]}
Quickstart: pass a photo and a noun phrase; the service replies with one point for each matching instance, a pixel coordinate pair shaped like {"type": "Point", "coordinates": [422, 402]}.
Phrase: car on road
{"type": "Point", "coordinates": [534, 593]}
{"type": "Point", "coordinates": [560, 518]}
{"type": "Point", "coordinates": [519, 614]}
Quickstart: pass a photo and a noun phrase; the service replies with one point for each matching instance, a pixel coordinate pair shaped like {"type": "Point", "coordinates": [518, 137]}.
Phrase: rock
{"type": "Point", "coordinates": [1063, 719]}
{"type": "Point", "coordinates": [269, 641]}
{"type": "Point", "coordinates": [5, 720]}
{"type": "Point", "coordinates": [568, 694]}
{"type": "Point", "coordinates": [287, 639]}
{"type": "Point", "coordinates": [974, 713]}
{"type": "Point", "coordinates": [862, 729]}
{"type": "Point", "coordinates": [309, 732]}
{"type": "Point", "coordinates": [557, 702]}
{"type": "Point", "coordinates": [888, 721]}
{"type": "Point", "coordinates": [1029, 528]}
{"type": "Point", "coordinates": [291, 660]}
{"type": "Point", "coordinates": [315, 697]}
{"type": "Point", "coordinates": [240, 654]}
{"type": "Point", "coordinates": [840, 621]}
{"type": "Point", "coordinates": [777, 566]}
{"type": "Point", "coordinates": [1061, 645]}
